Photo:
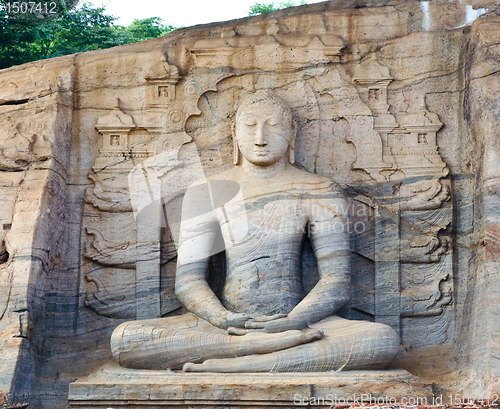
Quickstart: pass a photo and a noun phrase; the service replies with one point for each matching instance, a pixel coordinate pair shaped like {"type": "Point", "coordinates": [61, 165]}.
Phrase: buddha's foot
{"type": "Point", "coordinates": [263, 343]}
{"type": "Point", "coordinates": [220, 365]}
{"type": "Point", "coordinates": [255, 343]}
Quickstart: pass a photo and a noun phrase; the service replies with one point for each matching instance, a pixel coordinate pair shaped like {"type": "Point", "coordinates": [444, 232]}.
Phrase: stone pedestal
{"type": "Point", "coordinates": [113, 387]}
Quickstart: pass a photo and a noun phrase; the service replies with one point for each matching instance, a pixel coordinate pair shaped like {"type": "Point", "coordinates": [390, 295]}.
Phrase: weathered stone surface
{"type": "Point", "coordinates": [397, 102]}
{"type": "Point", "coordinates": [116, 387]}
{"type": "Point", "coordinates": [259, 213]}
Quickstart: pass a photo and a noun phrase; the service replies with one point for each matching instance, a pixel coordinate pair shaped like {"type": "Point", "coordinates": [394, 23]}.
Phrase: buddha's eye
{"type": "Point", "coordinates": [250, 123]}
{"type": "Point", "coordinates": [272, 123]}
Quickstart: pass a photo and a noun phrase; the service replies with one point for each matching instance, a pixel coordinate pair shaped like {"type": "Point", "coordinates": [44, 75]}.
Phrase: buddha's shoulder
{"type": "Point", "coordinates": [308, 177]}
{"type": "Point", "coordinates": [226, 175]}
{"type": "Point", "coordinates": [293, 179]}
{"type": "Point", "coordinates": [313, 183]}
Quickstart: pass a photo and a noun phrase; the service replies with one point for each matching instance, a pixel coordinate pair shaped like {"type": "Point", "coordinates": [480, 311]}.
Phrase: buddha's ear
{"type": "Point", "coordinates": [236, 149]}
{"type": "Point", "coordinates": [292, 141]}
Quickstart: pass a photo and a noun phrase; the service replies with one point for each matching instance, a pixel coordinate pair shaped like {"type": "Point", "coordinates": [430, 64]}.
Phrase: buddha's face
{"type": "Point", "coordinates": [263, 134]}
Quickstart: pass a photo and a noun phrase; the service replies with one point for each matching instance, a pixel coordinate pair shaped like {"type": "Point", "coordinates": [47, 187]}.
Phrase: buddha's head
{"type": "Point", "coordinates": [264, 129]}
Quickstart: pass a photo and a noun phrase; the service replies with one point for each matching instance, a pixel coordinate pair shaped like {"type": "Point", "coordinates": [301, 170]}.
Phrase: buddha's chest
{"type": "Point", "coordinates": [264, 218]}
{"type": "Point", "coordinates": [266, 283]}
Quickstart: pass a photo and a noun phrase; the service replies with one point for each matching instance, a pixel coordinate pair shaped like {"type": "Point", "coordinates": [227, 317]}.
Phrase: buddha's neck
{"type": "Point", "coordinates": [264, 172]}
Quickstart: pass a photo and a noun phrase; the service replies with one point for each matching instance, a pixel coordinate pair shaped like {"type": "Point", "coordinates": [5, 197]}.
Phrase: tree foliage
{"type": "Point", "coordinates": [85, 28]}
{"type": "Point", "coordinates": [141, 30]}
{"type": "Point", "coordinates": [261, 8]}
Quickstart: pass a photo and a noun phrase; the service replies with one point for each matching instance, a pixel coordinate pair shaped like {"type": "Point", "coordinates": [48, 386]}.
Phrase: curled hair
{"type": "Point", "coordinates": [264, 97]}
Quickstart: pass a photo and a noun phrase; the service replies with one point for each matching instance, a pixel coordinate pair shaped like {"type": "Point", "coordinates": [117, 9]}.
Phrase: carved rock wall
{"type": "Point", "coordinates": [397, 106]}
{"type": "Point", "coordinates": [36, 117]}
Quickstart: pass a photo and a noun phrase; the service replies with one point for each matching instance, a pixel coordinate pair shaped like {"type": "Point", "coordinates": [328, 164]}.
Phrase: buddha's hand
{"type": "Point", "coordinates": [233, 319]}
{"type": "Point", "coordinates": [279, 325]}
{"type": "Point", "coordinates": [239, 320]}
{"type": "Point", "coordinates": [240, 329]}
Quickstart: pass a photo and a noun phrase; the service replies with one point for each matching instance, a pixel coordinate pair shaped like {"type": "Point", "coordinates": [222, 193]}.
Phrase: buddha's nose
{"type": "Point", "coordinates": [260, 139]}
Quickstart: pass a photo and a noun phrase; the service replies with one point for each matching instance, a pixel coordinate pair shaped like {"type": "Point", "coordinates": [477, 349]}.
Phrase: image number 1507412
{"type": "Point", "coordinates": [31, 7]}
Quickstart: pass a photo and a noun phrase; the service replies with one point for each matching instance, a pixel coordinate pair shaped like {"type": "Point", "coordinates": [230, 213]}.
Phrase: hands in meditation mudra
{"type": "Point", "coordinates": [263, 321]}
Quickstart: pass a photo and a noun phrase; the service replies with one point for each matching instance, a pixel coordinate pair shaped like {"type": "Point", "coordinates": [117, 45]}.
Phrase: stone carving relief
{"type": "Point", "coordinates": [414, 212]}
{"type": "Point", "coordinates": [93, 192]}
{"type": "Point", "coordinates": [161, 81]}
{"type": "Point", "coordinates": [418, 141]}
{"type": "Point", "coordinates": [22, 144]}
{"type": "Point", "coordinates": [107, 198]}
{"type": "Point", "coordinates": [109, 253]}
{"type": "Point", "coordinates": [403, 270]}
{"type": "Point", "coordinates": [111, 291]}
{"type": "Point", "coordinates": [422, 249]}
{"type": "Point", "coordinates": [373, 80]}
{"type": "Point", "coordinates": [423, 195]}
{"type": "Point", "coordinates": [124, 254]}
{"type": "Point", "coordinates": [417, 249]}
{"type": "Point", "coordinates": [289, 51]}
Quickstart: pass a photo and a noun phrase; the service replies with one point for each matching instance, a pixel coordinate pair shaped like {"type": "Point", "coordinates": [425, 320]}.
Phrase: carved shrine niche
{"type": "Point", "coordinates": [161, 82]}
{"type": "Point", "coordinates": [128, 246]}
{"type": "Point", "coordinates": [400, 204]}
{"type": "Point", "coordinates": [404, 252]}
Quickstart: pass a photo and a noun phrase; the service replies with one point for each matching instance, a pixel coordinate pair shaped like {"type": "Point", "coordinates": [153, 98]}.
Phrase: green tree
{"type": "Point", "coordinates": [141, 30]}
{"type": "Point", "coordinates": [13, 40]}
{"type": "Point", "coordinates": [85, 28]}
{"type": "Point", "coordinates": [261, 8]}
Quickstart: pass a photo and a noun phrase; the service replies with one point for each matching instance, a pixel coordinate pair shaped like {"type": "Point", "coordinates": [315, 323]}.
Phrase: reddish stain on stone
{"type": "Point", "coordinates": [492, 242]}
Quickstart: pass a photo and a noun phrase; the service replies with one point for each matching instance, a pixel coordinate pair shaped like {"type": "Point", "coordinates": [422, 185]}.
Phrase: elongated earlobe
{"type": "Point", "coordinates": [236, 149]}
{"type": "Point", "coordinates": [236, 153]}
{"type": "Point", "coordinates": [291, 148]}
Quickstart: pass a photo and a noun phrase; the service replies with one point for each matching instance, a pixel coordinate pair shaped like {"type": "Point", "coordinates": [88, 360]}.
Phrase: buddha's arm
{"type": "Point", "coordinates": [191, 288]}
{"type": "Point", "coordinates": [330, 241]}
{"type": "Point", "coordinates": [198, 231]}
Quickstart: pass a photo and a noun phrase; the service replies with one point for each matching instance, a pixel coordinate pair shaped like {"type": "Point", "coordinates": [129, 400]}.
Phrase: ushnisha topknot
{"type": "Point", "coordinates": [265, 97]}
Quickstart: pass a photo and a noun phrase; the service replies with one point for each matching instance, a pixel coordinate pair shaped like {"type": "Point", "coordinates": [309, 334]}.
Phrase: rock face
{"type": "Point", "coordinates": [397, 102]}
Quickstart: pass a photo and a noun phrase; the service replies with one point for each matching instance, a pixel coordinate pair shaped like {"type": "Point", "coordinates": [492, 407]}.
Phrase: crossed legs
{"type": "Point", "coordinates": [331, 344]}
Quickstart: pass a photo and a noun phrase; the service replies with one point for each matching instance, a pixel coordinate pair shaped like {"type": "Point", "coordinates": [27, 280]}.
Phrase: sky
{"type": "Point", "coordinates": [179, 12]}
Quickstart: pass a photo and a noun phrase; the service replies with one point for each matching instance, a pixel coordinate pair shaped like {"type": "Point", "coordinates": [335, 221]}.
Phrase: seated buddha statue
{"type": "Point", "coordinates": [263, 320]}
